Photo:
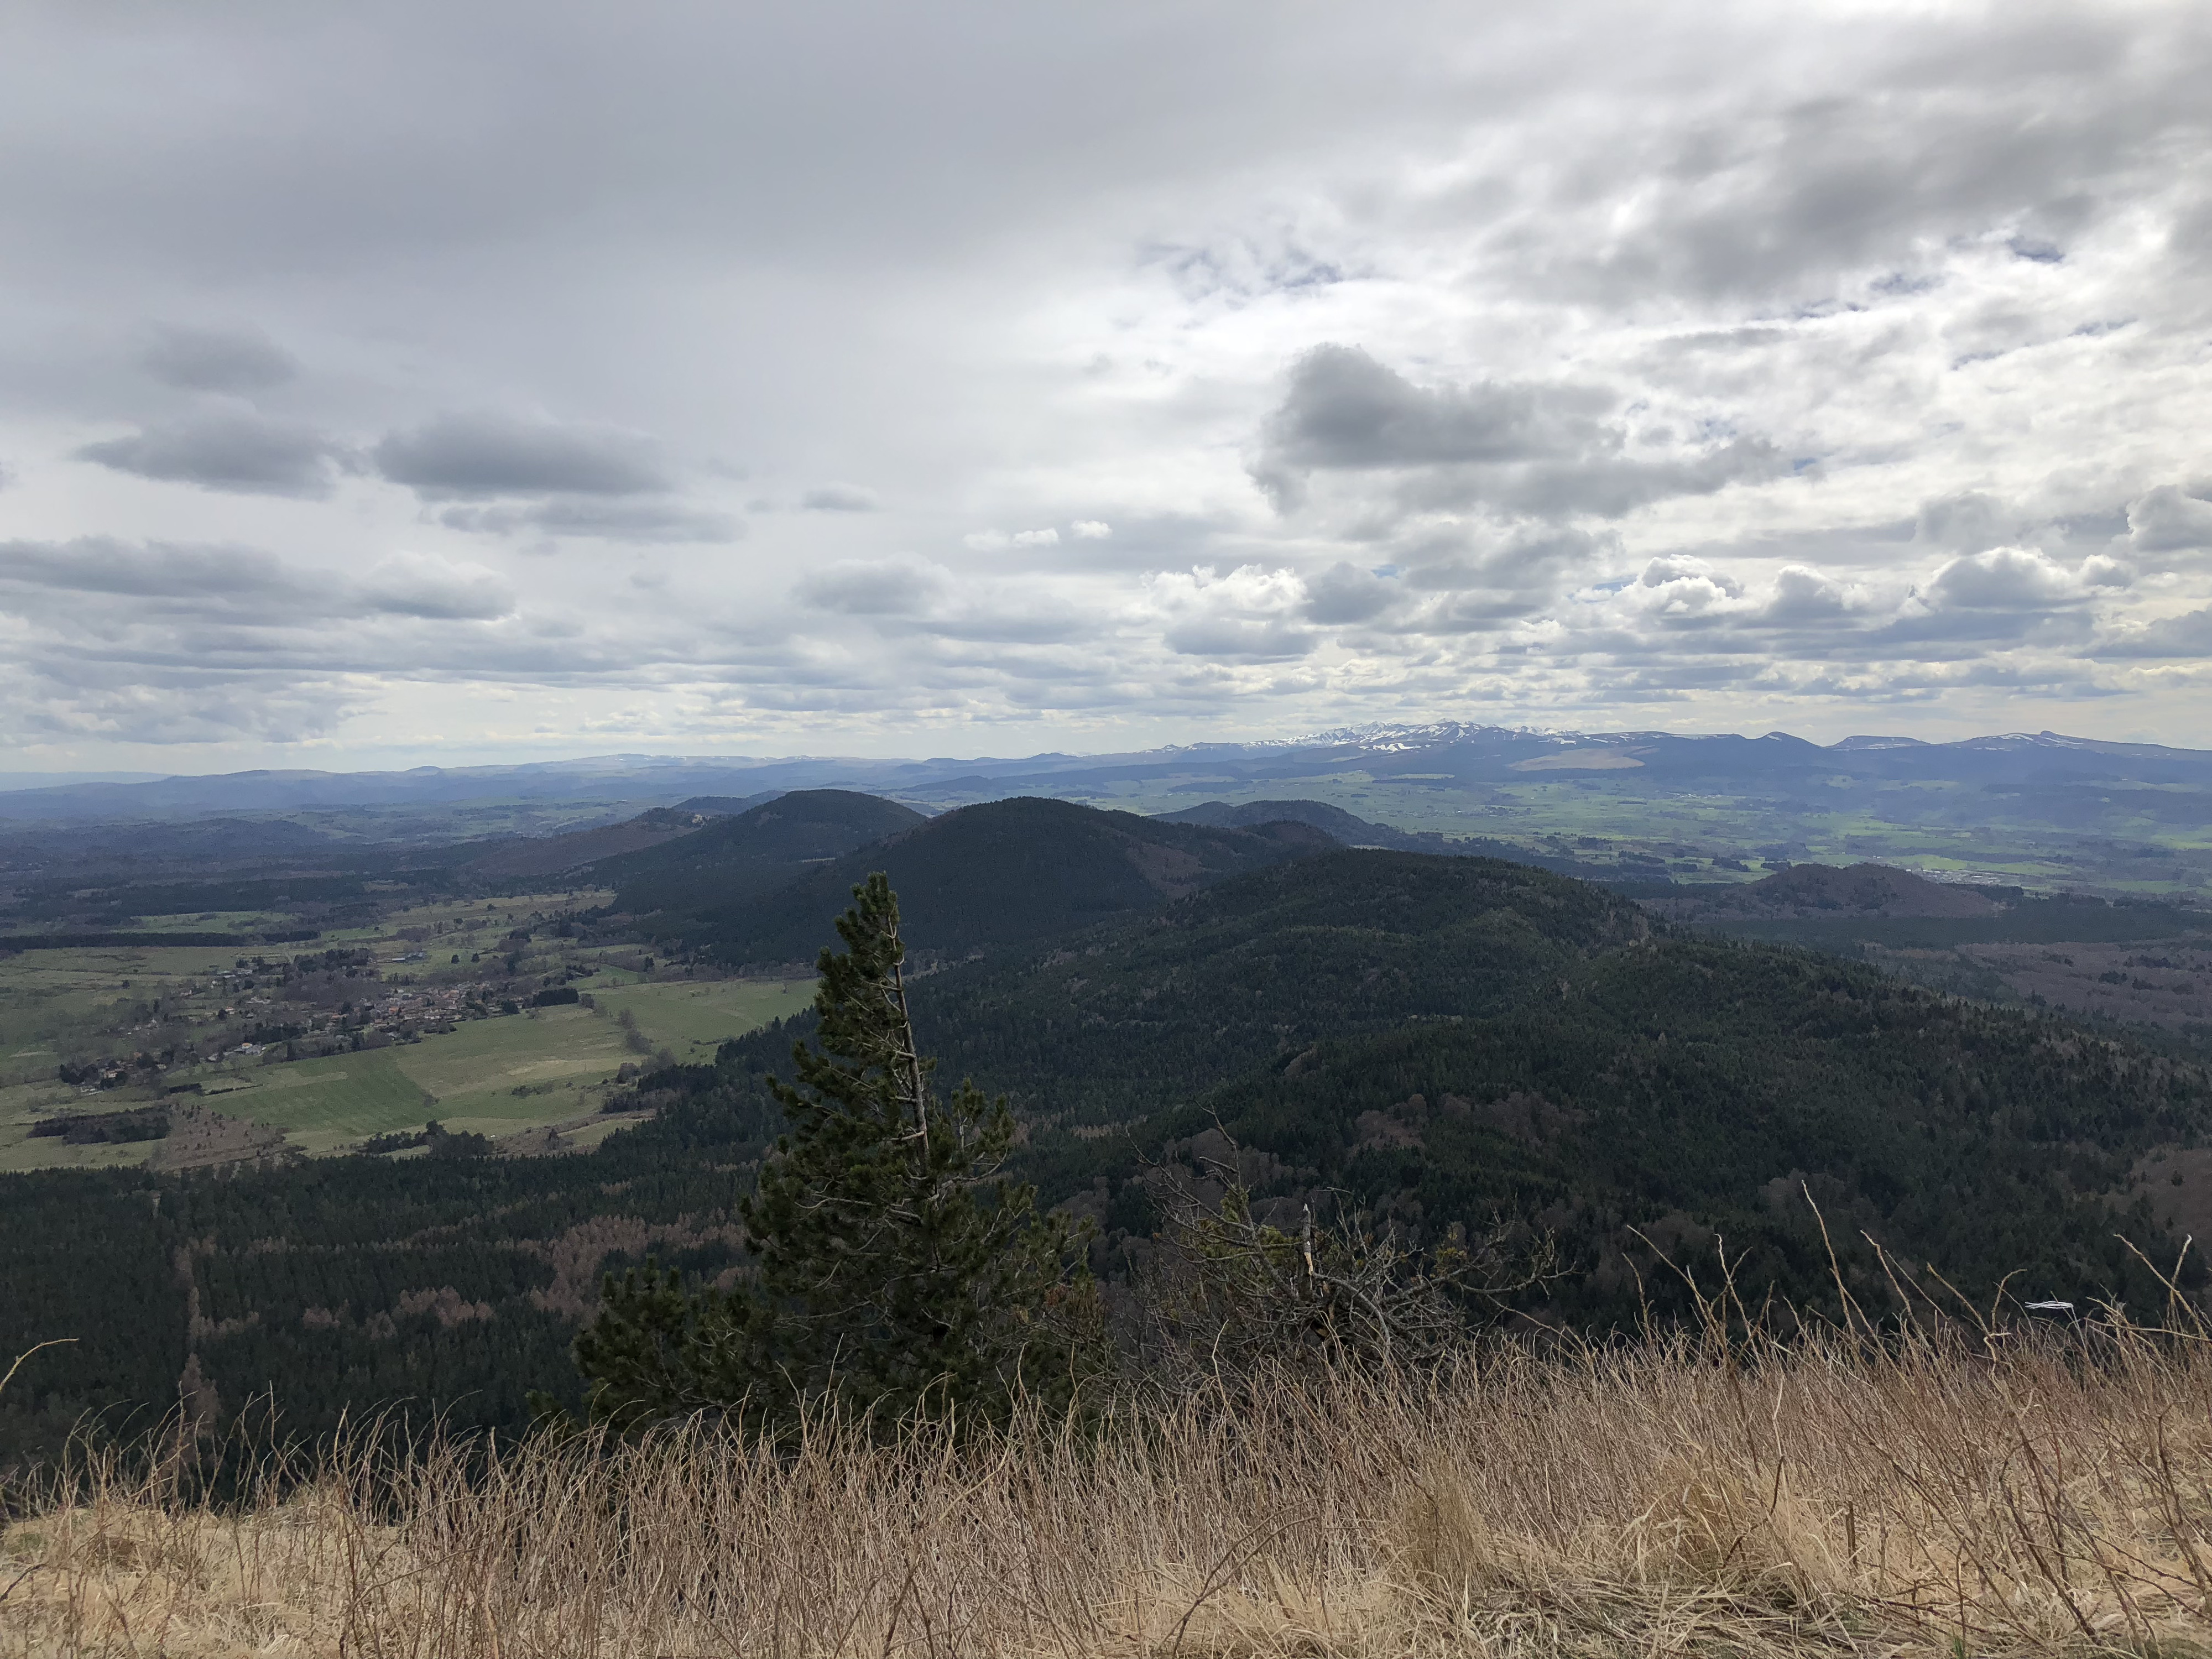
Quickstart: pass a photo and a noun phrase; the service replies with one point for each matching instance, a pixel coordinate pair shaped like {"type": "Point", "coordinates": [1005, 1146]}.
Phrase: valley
{"type": "Point", "coordinates": [369, 1125]}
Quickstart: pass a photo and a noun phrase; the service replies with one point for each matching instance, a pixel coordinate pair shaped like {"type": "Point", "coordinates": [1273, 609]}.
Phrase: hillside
{"type": "Point", "coordinates": [1135, 1016]}
{"type": "Point", "coordinates": [553, 855]}
{"type": "Point", "coordinates": [1822, 892]}
{"type": "Point", "coordinates": [1351, 830]}
{"type": "Point", "coordinates": [998, 874]}
{"type": "Point", "coordinates": [1435, 1040]}
{"type": "Point", "coordinates": [1454, 1037]}
{"type": "Point", "coordinates": [754, 851]}
{"type": "Point", "coordinates": [1355, 831]}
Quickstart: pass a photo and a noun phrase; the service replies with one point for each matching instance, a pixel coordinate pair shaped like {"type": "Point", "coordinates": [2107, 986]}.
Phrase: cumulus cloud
{"type": "Point", "coordinates": [2171, 519]}
{"type": "Point", "coordinates": [2189, 635]}
{"type": "Point", "coordinates": [1346, 594]}
{"type": "Point", "coordinates": [2004, 579]}
{"type": "Point", "coordinates": [1519, 447]}
{"type": "Point", "coordinates": [217, 359]}
{"type": "Point", "coordinates": [1250, 614]}
{"type": "Point", "coordinates": [466, 456]}
{"type": "Point", "coordinates": [1092, 530]}
{"type": "Point", "coordinates": [1802, 595]}
{"type": "Point", "coordinates": [232, 450]}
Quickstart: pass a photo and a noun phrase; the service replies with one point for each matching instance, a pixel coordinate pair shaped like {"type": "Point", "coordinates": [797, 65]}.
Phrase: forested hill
{"type": "Point", "coordinates": [1450, 1038]}
{"type": "Point", "coordinates": [1435, 1040]}
{"type": "Point", "coordinates": [984, 878]}
{"type": "Point", "coordinates": [754, 851]}
{"type": "Point", "coordinates": [1106, 1027]}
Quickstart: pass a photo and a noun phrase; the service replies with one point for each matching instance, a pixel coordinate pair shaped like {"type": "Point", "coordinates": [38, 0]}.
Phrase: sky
{"type": "Point", "coordinates": [478, 380]}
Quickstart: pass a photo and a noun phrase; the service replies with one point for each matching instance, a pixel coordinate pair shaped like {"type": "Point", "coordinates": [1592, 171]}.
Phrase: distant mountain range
{"type": "Point", "coordinates": [2042, 811]}
{"type": "Point", "coordinates": [1449, 751]}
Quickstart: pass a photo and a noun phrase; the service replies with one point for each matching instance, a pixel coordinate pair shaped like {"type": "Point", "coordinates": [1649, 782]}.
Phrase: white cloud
{"type": "Point", "coordinates": [2004, 579]}
{"type": "Point", "coordinates": [1251, 613]}
{"type": "Point", "coordinates": [1092, 530]}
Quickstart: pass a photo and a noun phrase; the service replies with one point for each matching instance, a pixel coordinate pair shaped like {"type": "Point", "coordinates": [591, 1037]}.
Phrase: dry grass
{"type": "Point", "coordinates": [1819, 1497]}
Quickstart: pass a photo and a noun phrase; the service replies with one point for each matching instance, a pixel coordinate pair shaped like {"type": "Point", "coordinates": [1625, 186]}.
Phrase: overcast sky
{"type": "Point", "coordinates": [460, 381]}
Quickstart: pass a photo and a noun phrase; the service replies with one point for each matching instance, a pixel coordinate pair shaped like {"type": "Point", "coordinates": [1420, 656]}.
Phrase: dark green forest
{"type": "Point", "coordinates": [1422, 1041]}
{"type": "Point", "coordinates": [982, 879]}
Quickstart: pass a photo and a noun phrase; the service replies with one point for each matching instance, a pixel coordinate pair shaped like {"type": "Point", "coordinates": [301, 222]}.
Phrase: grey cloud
{"type": "Point", "coordinates": [887, 587]}
{"type": "Point", "coordinates": [1940, 143]}
{"type": "Point", "coordinates": [1969, 523]}
{"type": "Point", "coordinates": [1515, 448]}
{"type": "Point", "coordinates": [174, 708]}
{"type": "Point", "coordinates": [99, 564]}
{"type": "Point", "coordinates": [1346, 594]}
{"type": "Point", "coordinates": [1273, 640]}
{"type": "Point", "coordinates": [1345, 411]}
{"type": "Point", "coordinates": [2189, 635]}
{"type": "Point", "coordinates": [480, 456]}
{"type": "Point", "coordinates": [2170, 519]}
{"type": "Point", "coordinates": [409, 584]}
{"type": "Point", "coordinates": [1531, 558]}
{"type": "Point", "coordinates": [216, 360]}
{"type": "Point", "coordinates": [236, 450]}
{"type": "Point", "coordinates": [838, 498]}
{"type": "Point", "coordinates": [1044, 626]}
{"type": "Point", "coordinates": [1802, 595]}
{"type": "Point", "coordinates": [601, 520]}
{"type": "Point", "coordinates": [236, 586]}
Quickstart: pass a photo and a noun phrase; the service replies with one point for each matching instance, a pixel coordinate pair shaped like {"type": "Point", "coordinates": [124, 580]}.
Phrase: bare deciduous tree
{"type": "Point", "coordinates": [1227, 1295]}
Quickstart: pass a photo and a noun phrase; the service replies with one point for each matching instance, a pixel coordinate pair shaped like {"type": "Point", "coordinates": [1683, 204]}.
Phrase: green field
{"type": "Point", "coordinates": [71, 1005]}
{"type": "Point", "coordinates": [22, 1104]}
{"type": "Point", "coordinates": [562, 1061]}
{"type": "Point", "coordinates": [688, 1018]}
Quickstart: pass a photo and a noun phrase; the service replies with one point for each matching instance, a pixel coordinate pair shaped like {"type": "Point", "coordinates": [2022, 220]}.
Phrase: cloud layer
{"type": "Point", "coordinates": [470, 379]}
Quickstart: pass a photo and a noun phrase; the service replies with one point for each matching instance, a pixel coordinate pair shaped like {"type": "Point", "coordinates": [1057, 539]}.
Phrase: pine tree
{"type": "Point", "coordinates": [896, 1270]}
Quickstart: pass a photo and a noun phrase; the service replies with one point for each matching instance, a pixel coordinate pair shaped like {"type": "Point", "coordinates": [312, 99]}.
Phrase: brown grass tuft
{"type": "Point", "coordinates": [1823, 1496]}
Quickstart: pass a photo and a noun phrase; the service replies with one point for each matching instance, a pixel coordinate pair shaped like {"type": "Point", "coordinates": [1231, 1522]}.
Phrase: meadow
{"type": "Point", "coordinates": [495, 1076]}
{"type": "Point", "coordinates": [1941, 1492]}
